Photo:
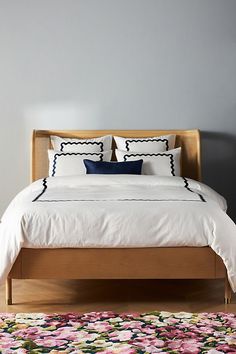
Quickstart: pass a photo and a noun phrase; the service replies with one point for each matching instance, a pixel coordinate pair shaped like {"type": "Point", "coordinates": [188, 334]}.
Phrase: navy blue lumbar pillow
{"type": "Point", "coordinates": [112, 168]}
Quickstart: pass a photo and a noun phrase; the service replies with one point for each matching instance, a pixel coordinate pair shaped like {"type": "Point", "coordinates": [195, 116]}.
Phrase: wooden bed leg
{"type": "Point", "coordinates": [228, 291]}
{"type": "Point", "coordinates": [9, 291]}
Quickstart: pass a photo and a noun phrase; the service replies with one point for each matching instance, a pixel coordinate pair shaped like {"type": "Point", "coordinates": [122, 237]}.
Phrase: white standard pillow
{"type": "Point", "coordinates": [155, 144]}
{"type": "Point", "coordinates": [161, 164]}
{"type": "Point", "coordinates": [100, 144]}
{"type": "Point", "coordinates": [71, 163]}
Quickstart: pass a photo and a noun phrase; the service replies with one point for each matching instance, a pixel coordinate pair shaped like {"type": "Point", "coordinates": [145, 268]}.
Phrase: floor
{"type": "Point", "coordinates": [117, 295]}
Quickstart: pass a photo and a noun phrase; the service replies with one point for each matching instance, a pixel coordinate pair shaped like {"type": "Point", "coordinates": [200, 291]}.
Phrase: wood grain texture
{"type": "Point", "coordinates": [118, 263]}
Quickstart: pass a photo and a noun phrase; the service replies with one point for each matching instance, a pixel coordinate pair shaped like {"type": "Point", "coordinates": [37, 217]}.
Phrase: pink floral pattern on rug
{"type": "Point", "coordinates": [108, 332]}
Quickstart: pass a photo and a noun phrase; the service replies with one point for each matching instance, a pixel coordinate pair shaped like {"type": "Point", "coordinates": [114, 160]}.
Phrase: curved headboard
{"type": "Point", "coordinates": [189, 140]}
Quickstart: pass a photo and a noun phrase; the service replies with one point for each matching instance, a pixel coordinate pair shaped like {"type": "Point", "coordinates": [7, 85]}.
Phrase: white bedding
{"type": "Point", "coordinates": [117, 211]}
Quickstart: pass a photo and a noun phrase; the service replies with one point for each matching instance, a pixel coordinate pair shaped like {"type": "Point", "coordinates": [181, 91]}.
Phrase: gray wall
{"type": "Point", "coordinates": [94, 64]}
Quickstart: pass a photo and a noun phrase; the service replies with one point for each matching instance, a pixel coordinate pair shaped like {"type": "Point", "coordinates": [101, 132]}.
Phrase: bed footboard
{"type": "Point", "coordinates": [113, 263]}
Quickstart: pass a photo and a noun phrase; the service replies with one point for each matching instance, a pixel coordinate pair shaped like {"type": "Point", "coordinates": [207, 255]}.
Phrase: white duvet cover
{"type": "Point", "coordinates": [117, 211]}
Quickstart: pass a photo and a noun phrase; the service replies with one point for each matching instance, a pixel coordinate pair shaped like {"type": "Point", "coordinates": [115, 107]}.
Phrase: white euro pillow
{"type": "Point", "coordinates": [151, 145]}
{"type": "Point", "coordinates": [71, 163]}
{"type": "Point", "coordinates": [162, 163]}
{"type": "Point", "coordinates": [100, 144]}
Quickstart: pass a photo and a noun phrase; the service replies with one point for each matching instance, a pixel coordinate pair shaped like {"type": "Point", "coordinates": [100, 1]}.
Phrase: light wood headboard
{"type": "Point", "coordinates": [189, 140]}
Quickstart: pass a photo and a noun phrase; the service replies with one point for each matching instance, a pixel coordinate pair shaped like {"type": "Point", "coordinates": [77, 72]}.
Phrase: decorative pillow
{"type": "Point", "coordinates": [155, 144]}
{"type": "Point", "coordinates": [102, 167]}
{"type": "Point", "coordinates": [162, 163]}
{"type": "Point", "coordinates": [100, 144]}
{"type": "Point", "coordinates": [71, 163]}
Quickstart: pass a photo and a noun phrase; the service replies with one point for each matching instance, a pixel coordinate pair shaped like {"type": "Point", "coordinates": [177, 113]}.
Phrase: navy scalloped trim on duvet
{"type": "Point", "coordinates": [82, 143]}
{"type": "Point", "coordinates": [43, 191]}
{"type": "Point", "coordinates": [116, 200]}
{"type": "Point", "coordinates": [144, 141]}
{"type": "Point", "coordinates": [100, 155]}
{"type": "Point", "coordinates": [171, 156]}
{"type": "Point", "coordinates": [186, 185]}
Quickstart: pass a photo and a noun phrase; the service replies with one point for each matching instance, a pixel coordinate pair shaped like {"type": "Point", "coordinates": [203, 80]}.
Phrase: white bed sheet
{"type": "Point", "coordinates": [117, 211]}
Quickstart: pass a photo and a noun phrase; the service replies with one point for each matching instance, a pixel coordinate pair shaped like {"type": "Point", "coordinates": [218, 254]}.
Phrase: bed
{"type": "Point", "coordinates": [118, 263]}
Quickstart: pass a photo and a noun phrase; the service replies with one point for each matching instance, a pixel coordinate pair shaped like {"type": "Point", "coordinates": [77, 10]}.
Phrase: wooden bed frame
{"type": "Point", "coordinates": [118, 263]}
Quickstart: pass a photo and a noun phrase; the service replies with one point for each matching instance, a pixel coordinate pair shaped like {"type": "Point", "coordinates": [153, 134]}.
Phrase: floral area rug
{"type": "Point", "coordinates": [108, 332]}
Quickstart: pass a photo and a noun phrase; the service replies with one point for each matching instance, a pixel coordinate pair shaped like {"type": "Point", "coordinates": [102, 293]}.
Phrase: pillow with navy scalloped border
{"type": "Point", "coordinates": [146, 145]}
{"type": "Point", "coordinates": [100, 144]}
{"type": "Point", "coordinates": [71, 163]}
{"type": "Point", "coordinates": [113, 167]}
{"type": "Point", "coordinates": [160, 163]}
